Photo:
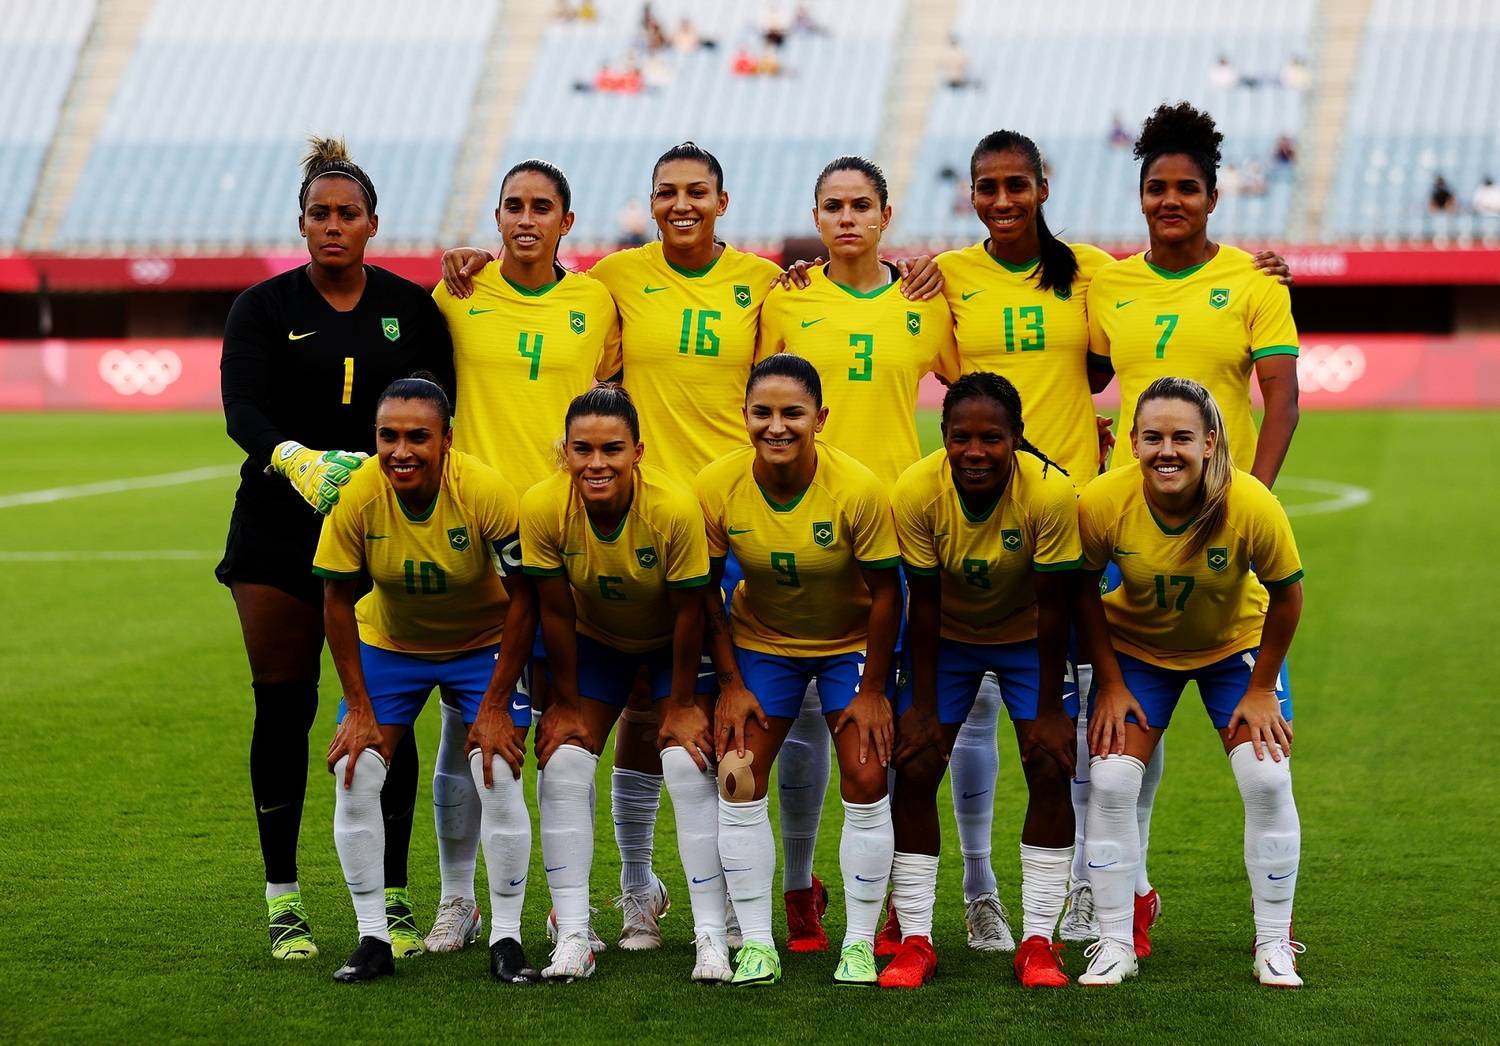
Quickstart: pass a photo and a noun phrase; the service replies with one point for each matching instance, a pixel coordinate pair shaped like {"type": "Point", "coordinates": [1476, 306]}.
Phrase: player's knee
{"type": "Point", "coordinates": [369, 774]}
{"type": "Point", "coordinates": [1115, 782]}
{"type": "Point", "coordinates": [1045, 777]}
{"type": "Point", "coordinates": [919, 777]}
{"type": "Point", "coordinates": [1265, 784]}
{"type": "Point", "coordinates": [862, 783]}
{"type": "Point", "coordinates": [737, 779]}
{"type": "Point", "coordinates": [569, 775]}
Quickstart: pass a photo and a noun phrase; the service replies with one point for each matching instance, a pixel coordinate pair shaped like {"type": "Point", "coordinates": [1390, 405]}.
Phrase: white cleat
{"type": "Point", "coordinates": [572, 959]}
{"type": "Point", "coordinates": [641, 931]}
{"type": "Point", "coordinates": [989, 925]}
{"type": "Point", "coordinates": [1110, 962]}
{"type": "Point", "coordinates": [712, 966]}
{"type": "Point", "coordinates": [1276, 963]}
{"type": "Point", "coordinates": [457, 924]}
{"type": "Point", "coordinates": [595, 941]}
{"type": "Point", "coordinates": [732, 935]}
{"type": "Point", "coordinates": [1080, 922]}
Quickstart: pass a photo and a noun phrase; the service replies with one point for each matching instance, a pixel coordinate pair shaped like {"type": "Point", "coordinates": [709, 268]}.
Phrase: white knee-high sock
{"type": "Point", "coordinates": [747, 851]}
{"type": "Point", "coordinates": [455, 807]}
{"type": "Point", "coordinates": [914, 892]}
{"type": "Point", "coordinates": [634, 800]}
{"type": "Point", "coordinates": [802, 769]}
{"type": "Point", "coordinates": [1114, 848]}
{"type": "Point", "coordinates": [505, 828]}
{"type": "Point", "coordinates": [1273, 839]}
{"type": "Point", "coordinates": [1044, 888]}
{"type": "Point", "coordinates": [695, 803]}
{"type": "Point", "coordinates": [866, 849]}
{"type": "Point", "coordinates": [974, 768]}
{"type": "Point", "coordinates": [1150, 782]}
{"type": "Point", "coordinates": [565, 791]}
{"type": "Point", "coordinates": [1080, 783]}
{"type": "Point", "coordinates": [359, 835]}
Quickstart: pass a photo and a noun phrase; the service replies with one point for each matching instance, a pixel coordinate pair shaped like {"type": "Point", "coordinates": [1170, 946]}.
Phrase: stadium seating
{"type": "Point", "coordinates": [773, 134]}
{"type": "Point", "coordinates": [201, 143]}
{"type": "Point", "coordinates": [39, 45]}
{"type": "Point", "coordinates": [1426, 102]}
{"type": "Point", "coordinates": [1062, 71]}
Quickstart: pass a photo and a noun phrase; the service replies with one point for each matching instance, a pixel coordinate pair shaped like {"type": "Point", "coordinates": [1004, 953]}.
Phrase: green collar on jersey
{"type": "Point", "coordinates": [1169, 531]}
{"type": "Point", "coordinates": [1025, 266]}
{"type": "Point", "coordinates": [1181, 274]}
{"type": "Point", "coordinates": [693, 274]}
{"type": "Point", "coordinates": [421, 517]}
{"type": "Point", "coordinates": [877, 292]}
{"type": "Point", "coordinates": [527, 291]}
{"type": "Point", "coordinates": [777, 506]}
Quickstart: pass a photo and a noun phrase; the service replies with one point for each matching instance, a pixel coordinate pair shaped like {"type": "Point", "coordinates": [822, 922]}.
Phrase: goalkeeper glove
{"type": "Point", "coordinates": [317, 474]}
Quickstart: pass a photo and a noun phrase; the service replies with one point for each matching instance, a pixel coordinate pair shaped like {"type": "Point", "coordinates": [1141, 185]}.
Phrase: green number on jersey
{"type": "Point", "coordinates": [425, 577]}
{"type": "Point", "coordinates": [1168, 323]}
{"type": "Point", "coordinates": [609, 586]}
{"type": "Point", "coordinates": [977, 572]}
{"type": "Point", "coordinates": [785, 564]}
{"type": "Point", "coordinates": [707, 342]}
{"type": "Point", "coordinates": [1034, 337]}
{"type": "Point", "coordinates": [864, 346]}
{"type": "Point", "coordinates": [534, 353]}
{"type": "Point", "coordinates": [1176, 579]}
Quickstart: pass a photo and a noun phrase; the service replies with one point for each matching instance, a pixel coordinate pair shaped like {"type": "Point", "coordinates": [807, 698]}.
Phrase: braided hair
{"type": "Point", "coordinates": [988, 385]}
{"type": "Point", "coordinates": [327, 156]}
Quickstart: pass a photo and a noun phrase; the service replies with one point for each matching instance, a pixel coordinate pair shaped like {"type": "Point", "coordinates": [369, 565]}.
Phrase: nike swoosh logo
{"type": "Point", "coordinates": [518, 708]}
{"type": "Point", "coordinates": [789, 788]}
{"type": "Point", "coordinates": [1278, 878]}
{"type": "Point", "coordinates": [862, 879]}
{"type": "Point", "coordinates": [975, 795]}
{"type": "Point", "coordinates": [1111, 864]}
{"type": "Point", "coordinates": [1121, 305]}
{"type": "Point", "coordinates": [1111, 966]}
{"type": "Point", "coordinates": [810, 323]}
{"type": "Point", "coordinates": [549, 871]}
{"type": "Point", "coordinates": [376, 537]}
{"type": "Point", "coordinates": [273, 809]}
{"type": "Point", "coordinates": [294, 336]}
{"type": "Point", "coordinates": [518, 882]}
{"type": "Point", "coordinates": [653, 290]}
{"type": "Point", "coordinates": [699, 882]}
{"type": "Point", "coordinates": [1274, 970]}
{"type": "Point", "coordinates": [479, 312]}
{"type": "Point", "coordinates": [736, 533]}
{"type": "Point", "coordinates": [969, 294]}
{"type": "Point", "coordinates": [728, 870]}
{"type": "Point", "coordinates": [1122, 552]}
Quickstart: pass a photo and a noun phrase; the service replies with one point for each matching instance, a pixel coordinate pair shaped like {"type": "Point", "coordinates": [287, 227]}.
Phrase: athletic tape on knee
{"type": "Point", "coordinates": [736, 778]}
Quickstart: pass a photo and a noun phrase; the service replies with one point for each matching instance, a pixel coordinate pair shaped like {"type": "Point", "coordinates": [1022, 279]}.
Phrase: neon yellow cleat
{"type": "Point", "coordinates": [406, 939]}
{"type": "Point", "coordinates": [756, 964]}
{"type": "Point", "coordinates": [291, 937]}
{"type": "Point", "coordinates": [856, 965]}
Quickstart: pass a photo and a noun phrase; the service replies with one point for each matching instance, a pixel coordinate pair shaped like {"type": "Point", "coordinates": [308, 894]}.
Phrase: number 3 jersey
{"type": "Point", "coordinates": [437, 589]}
{"type": "Point", "coordinates": [803, 594]}
{"type": "Point", "coordinates": [1180, 610]}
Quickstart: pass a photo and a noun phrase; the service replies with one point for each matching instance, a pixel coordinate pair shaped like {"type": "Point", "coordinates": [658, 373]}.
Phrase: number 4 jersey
{"type": "Point", "coordinates": [436, 587]}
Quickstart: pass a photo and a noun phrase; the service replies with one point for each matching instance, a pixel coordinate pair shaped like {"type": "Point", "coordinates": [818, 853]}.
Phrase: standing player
{"type": "Point", "coordinates": [820, 600]}
{"type": "Point", "coordinates": [1210, 591]}
{"type": "Point", "coordinates": [989, 537]}
{"type": "Point", "coordinates": [619, 558]}
{"type": "Point", "coordinates": [422, 526]}
{"type": "Point", "coordinates": [306, 354]}
{"type": "Point", "coordinates": [530, 338]}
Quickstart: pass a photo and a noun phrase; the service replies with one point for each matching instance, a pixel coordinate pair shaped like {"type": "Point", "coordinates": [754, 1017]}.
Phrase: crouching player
{"type": "Point", "coordinates": [989, 537]}
{"type": "Point", "coordinates": [422, 526]}
{"type": "Point", "coordinates": [1211, 591]}
{"type": "Point", "coordinates": [620, 560]}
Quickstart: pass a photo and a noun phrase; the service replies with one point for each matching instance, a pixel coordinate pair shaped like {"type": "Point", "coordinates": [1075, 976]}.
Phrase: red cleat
{"type": "Point", "coordinates": [888, 940]}
{"type": "Point", "coordinates": [913, 965]}
{"type": "Point", "coordinates": [1037, 964]}
{"type": "Point", "coordinates": [804, 918]}
{"type": "Point", "coordinates": [1147, 911]}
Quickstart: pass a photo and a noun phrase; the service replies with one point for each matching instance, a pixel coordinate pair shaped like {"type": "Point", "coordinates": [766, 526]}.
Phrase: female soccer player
{"type": "Point", "coordinates": [820, 600]}
{"type": "Point", "coordinates": [619, 558]}
{"type": "Point", "coordinates": [989, 537]}
{"type": "Point", "coordinates": [1211, 591]}
{"type": "Point", "coordinates": [530, 338]}
{"type": "Point", "coordinates": [422, 527]}
{"type": "Point", "coordinates": [306, 354]}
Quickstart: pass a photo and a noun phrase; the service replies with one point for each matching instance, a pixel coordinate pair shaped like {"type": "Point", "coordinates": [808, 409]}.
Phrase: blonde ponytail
{"type": "Point", "coordinates": [1218, 469]}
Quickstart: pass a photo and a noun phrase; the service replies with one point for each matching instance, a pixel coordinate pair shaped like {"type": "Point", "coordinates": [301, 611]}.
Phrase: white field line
{"type": "Point", "coordinates": [117, 486]}
{"type": "Point", "coordinates": [1341, 496]}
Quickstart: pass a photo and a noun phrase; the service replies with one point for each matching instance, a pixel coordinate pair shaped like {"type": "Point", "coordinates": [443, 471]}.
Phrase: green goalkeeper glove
{"type": "Point", "coordinates": [317, 474]}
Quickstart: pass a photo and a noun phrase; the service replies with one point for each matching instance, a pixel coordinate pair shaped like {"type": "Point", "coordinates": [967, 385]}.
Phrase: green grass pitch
{"type": "Point", "coordinates": [132, 904]}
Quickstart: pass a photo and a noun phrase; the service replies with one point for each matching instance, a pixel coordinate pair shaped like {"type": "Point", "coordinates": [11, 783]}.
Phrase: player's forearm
{"type": "Point", "coordinates": [560, 636]}
{"type": "Point", "coordinates": [885, 624]}
{"type": "Point", "coordinates": [515, 638]}
{"type": "Point", "coordinates": [720, 638]}
{"type": "Point", "coordinates": [687, 647]}
{"type": "Point", "coordinates": [1088, 615]}
{"type": "Point", "coordinates": [342, 630]}
{"type": "Point", "coordinates": [1278, 424]}
{"type": "Point", "coordinates": [1276, 635]}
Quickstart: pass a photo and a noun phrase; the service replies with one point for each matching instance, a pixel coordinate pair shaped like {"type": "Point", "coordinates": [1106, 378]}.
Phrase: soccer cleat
{"type": "Point", "coordinates": [732, 935]}
{"type": "Point", "coordinates": [371, 959]}
{"type": "Point", "coordinates": [1080, 922]}
{"type": "Point", "coordinates": [756, 964]}
{"type": "Point", "coordinates": [804, 918]}
{"type": "Point", "coordinates": [291, 937]}
{"type": "Point", "coordinates": [913, 965]}
{"type": "Point", "coordinates": [1110, 962]}
{"type": "Point", "coordinates": [712, 965]}
{"type": "Point", "coordinates": [595, 941]}
{"type": "Point", "coordinates": [989, 925]}
{"type": "Point", "coordinates": [508, 963]}
{"type": "Point", "coordinates": [888, 940]}
{"type": "Point", "coordinates": [1038, 964]}
{"type": "Point", "coordinates": [1147, 911]}
{"type": "Point", "coordinates": [572, 959]}
{"type": "Point", "coordinates": [641, 931]}
{"type": "Point", "coordinates": [406, 939]}
{"type": "Point", "coordinates": [1276, 963]}
{"type": "Point", "coordinates": [456, 925]}
{"type": "Point", "coordinates": [856, 965]}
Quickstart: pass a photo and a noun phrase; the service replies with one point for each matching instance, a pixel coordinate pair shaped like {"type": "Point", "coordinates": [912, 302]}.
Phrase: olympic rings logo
{"type": "Point", "coordinates": [140, 370]}
{"type": "Point", "coordinates": [1330, 368]}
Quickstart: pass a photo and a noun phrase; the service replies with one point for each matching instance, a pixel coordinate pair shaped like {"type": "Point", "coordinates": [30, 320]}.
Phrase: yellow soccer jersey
{"type": "Point", "coordinates": [871, 350]}
{"type": "Point", "coordinates": [520, 357]}
{"type": "Point", "coordinates": [436, 590]}
{"type": "Point", "coordinates": [1038, 339]}
{"type": "Point", "coordinates": [1179, 614]}
{"type": "Point", "coordinates": [803, 594]}
{"type": "Point", "coordinates": [985, 562]}
{"type": "Point", "coordinates": [1210, 323]}
{"type": "Point", "coordinates": [619, 580]}
{"type": "Point", "coordinates": [689, 343]}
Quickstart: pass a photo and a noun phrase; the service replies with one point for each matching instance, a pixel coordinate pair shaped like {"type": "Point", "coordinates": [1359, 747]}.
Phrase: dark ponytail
{"type": "Point", "coordinates": [987, 385]}
{"type": "Point", "coordinates": [1058, 266]}
{"type": "Point", "coordinates": [422, 385]}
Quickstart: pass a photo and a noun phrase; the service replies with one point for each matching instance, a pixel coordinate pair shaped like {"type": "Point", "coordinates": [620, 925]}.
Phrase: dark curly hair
{"type": "Point", "coordinates": [1181, 129]}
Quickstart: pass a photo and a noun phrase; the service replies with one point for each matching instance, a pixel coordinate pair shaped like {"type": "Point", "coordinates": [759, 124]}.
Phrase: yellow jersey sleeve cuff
{"type": "Point", "coordinates": [335, 575]}
{"type": "Point", "coordinates": [531, 571]}
{"type": "Point", "coordinates": [1046, 568]}
{"type": "Point", "coordinates": [1290, 579]}
{"type": "Point", "coordinates": [690, 582]}
{"type": "Point", "coordinates": [1098, 362]}
{"type": "Point", "coordinates": [890, 563]}
{"type": "Point", "coordinates": [912, 568]}
{"type": "Point", "coordinates": [1274, 350]}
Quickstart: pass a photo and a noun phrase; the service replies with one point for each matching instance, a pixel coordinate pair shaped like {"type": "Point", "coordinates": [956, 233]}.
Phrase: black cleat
{"type": "Point", "coordinates": [371, 959]}
{"type": "Point", "coordinates": [508, 963]}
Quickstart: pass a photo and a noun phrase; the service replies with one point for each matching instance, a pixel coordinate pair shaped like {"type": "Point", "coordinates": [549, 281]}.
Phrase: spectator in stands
{"type": "Point", "coordinates": [1222, 75]}
{"type": "Point", "coordinates": [1486, 199]}
{"type": "Point", "coordinates": [1285, 153]}
{"type": "Point", "coordinates": [652, 32]}
{"type": "Point", "coordinates": [1254, 181]}
{"type": "Point", "coordinates": [804, 22]}
{"type": "Point", "coordinates": [744, 63]}
{"type": "Point", "coordinates": [685, 38]}
{"type": "Point", "coordinates": [656, 73]}
{"type": "Point", "coordinates": [775, 24]}
{"type": "Point", "coordinates": [1119, 137]}
{"type": "Point", "coordinates": [955, 65]}
{"type": "Point", "coordinates": [1440, 199]}
{"type": "Point", "coordinates": [1295, 75]}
